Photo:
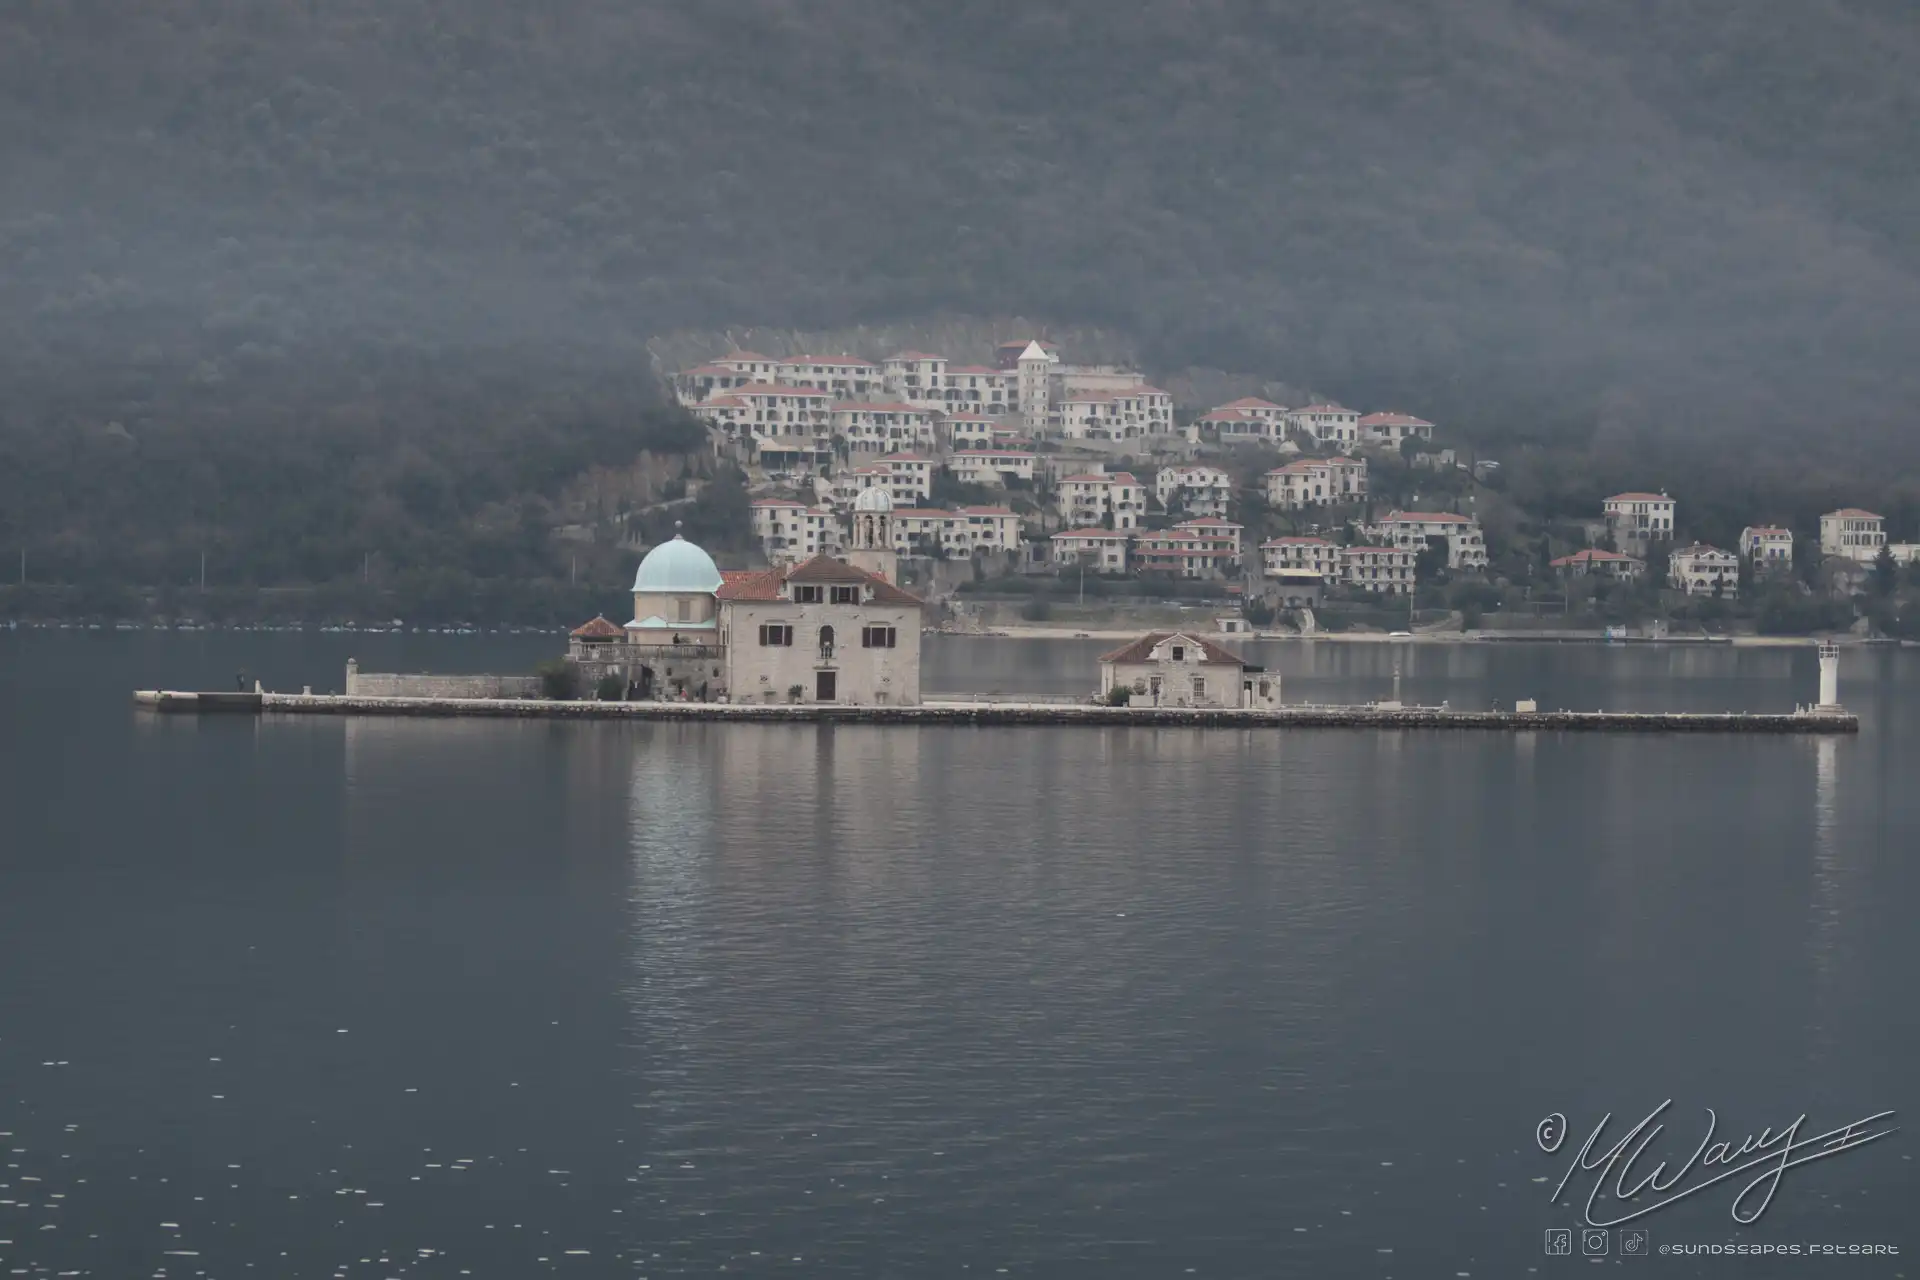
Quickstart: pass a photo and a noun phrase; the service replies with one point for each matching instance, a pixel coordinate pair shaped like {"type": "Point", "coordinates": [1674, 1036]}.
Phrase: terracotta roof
{"type": "Point", "coordinates": [990, 453]}
{"type": "Point", "coordinates": [1324, 408]}
{"type": "Point", "coordinates": [599, 629]}
{"type": "Point", "coordinates": [1248, 402]}
{"type": "Point", "coordinates": [1204, 523]}
{"type": "Point", "coordinates": [1429, 517]}
{"type": "Point", "coordinates": [1295, 541]}
{"type": "Point", "coordinates": [1229, 415]}
{"type": "Point", "coordinates": [1855, 513]}
{"type": "Point", "coordinates": [1769, 529]}
{"type": "Point", "coordinates": [1393, 420]}
{"type": "Point", "coordinates": [1639, 497]}
{"type": "Point", "coordinates": [1123, 477]}
{"type": "Point", "coordinates": [719, 370]}
{"type": "Point", "coordinates": [1138, 650]}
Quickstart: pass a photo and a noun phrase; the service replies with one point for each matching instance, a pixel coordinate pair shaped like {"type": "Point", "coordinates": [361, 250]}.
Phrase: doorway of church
{"type": "Point", "coordinates": [826, 686]}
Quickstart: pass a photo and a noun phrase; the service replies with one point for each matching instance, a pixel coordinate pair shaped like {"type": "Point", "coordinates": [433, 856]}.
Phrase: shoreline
{"type": "Point", "coordinates": [957, 712]}
{"type": "Point", "coordinates": [1449, 637]}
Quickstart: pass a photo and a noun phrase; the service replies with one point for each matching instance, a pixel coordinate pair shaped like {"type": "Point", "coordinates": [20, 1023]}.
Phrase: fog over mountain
{"type": "Point", "coordinates": [1690, 219]}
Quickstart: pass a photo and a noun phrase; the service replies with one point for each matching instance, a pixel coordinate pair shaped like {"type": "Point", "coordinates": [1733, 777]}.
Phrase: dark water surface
{"type": "Point", "coordinates": [316, 997]}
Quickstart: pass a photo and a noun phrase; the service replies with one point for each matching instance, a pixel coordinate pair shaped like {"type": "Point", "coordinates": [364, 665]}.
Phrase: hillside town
{"type": "Point", "coordinates": [1032, 467]}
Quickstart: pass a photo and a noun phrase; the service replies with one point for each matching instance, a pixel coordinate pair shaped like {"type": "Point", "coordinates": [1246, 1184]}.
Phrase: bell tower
{"type": "Point", "coordinates": [873, 548]}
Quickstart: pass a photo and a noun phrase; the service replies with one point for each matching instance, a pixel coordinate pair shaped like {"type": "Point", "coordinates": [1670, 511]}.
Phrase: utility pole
{"type": "Point", "coordinates": [203, 571]}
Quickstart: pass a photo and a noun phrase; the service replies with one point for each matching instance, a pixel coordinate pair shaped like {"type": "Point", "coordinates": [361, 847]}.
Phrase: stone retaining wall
{"type": "Point", "coordinates": [384, 684]}
{"type": "Point", "coordinates": [936, 712]}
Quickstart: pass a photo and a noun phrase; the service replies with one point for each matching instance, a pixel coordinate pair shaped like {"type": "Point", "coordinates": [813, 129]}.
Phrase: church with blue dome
{"type": "Point", "coordinates": [822, 631]}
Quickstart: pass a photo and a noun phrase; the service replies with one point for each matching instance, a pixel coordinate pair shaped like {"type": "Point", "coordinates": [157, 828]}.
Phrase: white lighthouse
{"type": "Point", "coordinates": [1829, 679]}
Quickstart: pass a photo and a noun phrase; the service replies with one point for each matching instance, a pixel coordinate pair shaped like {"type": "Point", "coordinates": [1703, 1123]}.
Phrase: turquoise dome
{"type": "Point", "coordinates": [677, 566]}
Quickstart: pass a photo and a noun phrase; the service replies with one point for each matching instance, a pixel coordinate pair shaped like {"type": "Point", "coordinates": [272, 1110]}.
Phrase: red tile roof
{"type": "Point", "coordinates": [764, 584]}
{"type": "Point", "coordinates": [1248, 402]}
{"type": "Point", "coordinates": [1592, 555]}
{"type": "Point", "coordinates": [1428, 517]}
{"type": "Point", "coordinates": [1229, 415]}
{"type": "Point", "coordinates": [710, 370]}
{"type": "Point", "coordinates": [1138, 650]}
{"type": "Point", "coordinates": [599, 629]}
{"type": "Point", "coordinates": [1393, 420]}
{"type": "Point", "coordinates": [1324, 408]}
{"type": "Point", "coordinates": [1296, 541]}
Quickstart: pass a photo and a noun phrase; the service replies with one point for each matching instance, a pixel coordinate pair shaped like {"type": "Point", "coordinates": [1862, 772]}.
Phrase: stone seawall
{"type": "Point", "coordinates": [384, 684]}
{"type": "Point", "coordinates": [977, 713]}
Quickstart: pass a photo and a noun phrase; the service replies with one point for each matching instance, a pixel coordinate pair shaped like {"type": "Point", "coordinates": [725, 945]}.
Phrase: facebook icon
{"type": "Point", "coordinates": [1559, 1242]}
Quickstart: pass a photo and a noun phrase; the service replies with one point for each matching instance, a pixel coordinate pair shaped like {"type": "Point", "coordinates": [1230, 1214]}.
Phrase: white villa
{"type": "Point", "coordinates": [1853, 534]}
{"type": "Point", "coordinates": [1177, 669]}
{"type": "Point", "coordinates": [1596, 563]}
{"type": "Point", "coordinates": [1386, 570]}
{"type": "Point", "coordinates": [1466, 545]}
{"type": "Point", "coordinates": [1769, 547]}
{"type": "Point", "coordinates": [1701, 570]}
{"type": "Point", "coordinates": [989, 466]}
{"type": "Point", "coordinates": [1393, 428]}
{"type": "Point", "coordinates": [1102, 550]}
{"type": "Point", "coordinates": [957, 534]}
{"type": "Point", "coordinates": [1282, 556]}
{"type": "Point", "coordinates": [1331, 424]}
{"type": "Point", "coordinates": [1199, 490]}
{"type": "Point", "coordinates": [791, 530]}
{"type": "Point", "coordinates": [1116, 500]}
{"type": "Point", "coordinates": [1638, 518]}
{"type": "Point", "coordinates": [1207, 549]}
{"type": "Point", "coordinates": [1313, 482]}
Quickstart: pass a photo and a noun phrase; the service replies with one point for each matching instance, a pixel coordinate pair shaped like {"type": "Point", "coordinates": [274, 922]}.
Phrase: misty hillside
{"type": "Point", "coordinates": [1687, 218]}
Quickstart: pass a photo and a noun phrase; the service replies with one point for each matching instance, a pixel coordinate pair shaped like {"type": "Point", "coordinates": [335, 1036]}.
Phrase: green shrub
{"type": "Point", "coordinates": [559, 679]}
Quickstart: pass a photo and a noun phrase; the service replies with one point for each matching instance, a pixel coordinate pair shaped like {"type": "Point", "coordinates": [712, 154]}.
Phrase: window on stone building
{"type": "Point", "coordinates": [878, 637]}
{"type": "Point", "coordinates": [845, 595]}
{"type": "Point", "coordinates": [803, 594]}
{"type": "Point", "coordinates": [776, 634]}
{"type": "Point", "coordinates": [1179, 653]}
{"type": "Point", "coordinates": [826, 643]}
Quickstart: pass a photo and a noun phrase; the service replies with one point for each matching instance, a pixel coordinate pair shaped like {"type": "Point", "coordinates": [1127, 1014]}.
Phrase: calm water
{"type": "Point", "coordinates": [384, 998]}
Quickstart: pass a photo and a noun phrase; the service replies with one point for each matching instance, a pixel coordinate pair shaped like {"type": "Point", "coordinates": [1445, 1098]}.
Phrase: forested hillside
{"type": "Point", "coordinates": [315, 249]}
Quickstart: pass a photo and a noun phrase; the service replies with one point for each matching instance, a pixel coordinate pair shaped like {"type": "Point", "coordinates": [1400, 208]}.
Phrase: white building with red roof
{"type": "Point", "coordinates": [1195, 488]}
{"type": "Point", "coordinates": [791, 530]}
{"type": "Point", "coordinates": [1112, 415]}
{"type": "Point", "coordinates": [1383, 570]}
{"type": "Point", "coordinates": [1117, 500]}
{"type": "Point", "coordinates": [1300, 554]}
{"type": "Point", "coordinates": [872, 427]}
{"type": "Point", "coordinates": [1595, 563]}
{"type": "Point", "coordinates": [1466, 545]}
{"type": "Point", "coordinates": [1235, 426]}
{"type": "Point", "coordinates": [1274, 419]}
{"type": "Point", "coordinates": [1102, 550]}
{"type": "Point", "coordinates": [1193, 549]}
{"type": "Point", "coordinates": [1702, 570]}
{"type": "Point", "coordinates": [990, 466]}
{"type": "Point", "coordinates": [1769, 547]}
{"type": "Point", "coordinates": [1182, 669]}
{"type": "Point", "coordinates": [1391, 429]}
{"type": "Point", "coordinates": [1328, 423]}
{"type": "Point", "coordinates": [846, 377]}
{"type": "Point", "coordinates": [1635, 519]}
{"type": "Point", "coordinates": [820, 631]}
{"type": "Point", "coordinates": [956, 534]}
{"type": "Point", "coordinates": [1316, 482]}
{"type": "Point", "coordinates": [1853, 534]}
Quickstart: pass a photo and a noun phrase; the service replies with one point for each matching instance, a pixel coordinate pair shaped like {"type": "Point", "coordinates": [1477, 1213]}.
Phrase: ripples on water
{"type": "Point", "coordinates": [388, 998]}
